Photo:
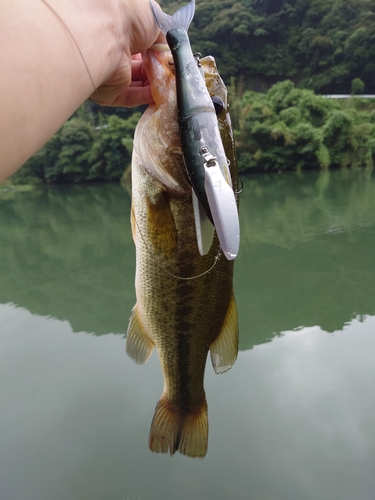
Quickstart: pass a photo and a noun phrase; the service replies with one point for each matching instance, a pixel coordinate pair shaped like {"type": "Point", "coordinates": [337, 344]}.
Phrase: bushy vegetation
{"type": "Point", "coordinates": [289, 128]}
{"type": "Point", "coordinates": [321, 45]}
{"type": "Point", "coordinates": [86, 149]}
{"type": "Point", "coordinates": [294, 45]}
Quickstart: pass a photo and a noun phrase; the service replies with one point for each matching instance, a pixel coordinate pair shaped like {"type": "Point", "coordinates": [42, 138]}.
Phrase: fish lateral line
{"type": "Point", "coordinates": [158, 263]}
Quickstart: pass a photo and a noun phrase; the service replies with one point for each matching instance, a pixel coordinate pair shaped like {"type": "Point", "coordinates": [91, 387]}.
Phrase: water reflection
{"type": "Point", "coordinates": [306, 254]}
{"type": "Point", "coordinates": [68, 253]}
{"type": "Point", "coordinates": [293, 419]}
{"type": "Point", "coordinates": [308, 249]}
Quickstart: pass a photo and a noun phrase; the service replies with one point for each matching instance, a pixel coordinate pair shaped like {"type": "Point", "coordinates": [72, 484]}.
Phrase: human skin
{"type": "Point", "coordinates": [55, 54]}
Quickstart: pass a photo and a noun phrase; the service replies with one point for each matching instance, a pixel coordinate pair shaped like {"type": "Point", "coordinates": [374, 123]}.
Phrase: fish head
{"type": "Point", "coordinates": [159, 68]}
{"type": "Point", "coordinates": [214, 83]}
{"type": "Point", "coordinates": [157, 141]}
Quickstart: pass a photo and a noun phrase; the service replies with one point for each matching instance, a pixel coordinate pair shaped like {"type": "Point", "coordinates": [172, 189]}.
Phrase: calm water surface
{"type": "Point", "coordinates": [292, 420]}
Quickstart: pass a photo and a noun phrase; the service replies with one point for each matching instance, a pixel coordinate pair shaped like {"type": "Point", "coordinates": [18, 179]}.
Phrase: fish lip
{"type": "Point", "coordinates": [160, 47]}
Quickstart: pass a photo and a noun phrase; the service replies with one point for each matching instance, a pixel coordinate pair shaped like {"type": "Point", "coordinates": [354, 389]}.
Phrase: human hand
{"type": "Point", "coordinates": [54, 52]}
{"type": "Point", "coordinates": [128, 86]}
{"type": "Point", "coordinates": [118, 92]}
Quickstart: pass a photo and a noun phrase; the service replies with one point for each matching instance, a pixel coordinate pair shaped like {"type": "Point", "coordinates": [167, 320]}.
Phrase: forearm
{"type": "Point", "coordinates": [44, 77]}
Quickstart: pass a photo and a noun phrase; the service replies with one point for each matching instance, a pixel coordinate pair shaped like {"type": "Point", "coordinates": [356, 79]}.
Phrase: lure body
{"type": "Point", "coordinates": [200, 135]}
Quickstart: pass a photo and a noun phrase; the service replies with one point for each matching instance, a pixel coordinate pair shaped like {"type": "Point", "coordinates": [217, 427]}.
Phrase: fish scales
{"type": "Point", "coordinates": [183, 319]}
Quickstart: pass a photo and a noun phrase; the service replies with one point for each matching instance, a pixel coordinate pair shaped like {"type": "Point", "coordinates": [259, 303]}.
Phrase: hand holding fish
{"type": "Point", "coordinates": [118, 92]}
{"type": "Point", "coordinates": [55, 53]}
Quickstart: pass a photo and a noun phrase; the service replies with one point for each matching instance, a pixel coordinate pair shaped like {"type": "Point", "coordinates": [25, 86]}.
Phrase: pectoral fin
{"type": "Point", "coordinates": [138, 345]}
{"type": "Point", "coordinates": [224, 348]}
{"type": "Point", "coordinates": [161, 226]}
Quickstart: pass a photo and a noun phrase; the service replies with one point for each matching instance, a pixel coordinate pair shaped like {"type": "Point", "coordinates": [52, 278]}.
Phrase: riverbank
{"type": "Point", "coordinates": [286, 128]}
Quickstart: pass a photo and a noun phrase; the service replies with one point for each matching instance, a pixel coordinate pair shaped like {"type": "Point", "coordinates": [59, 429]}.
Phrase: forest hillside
{"type": "Point", "coordinates": [276, 58]}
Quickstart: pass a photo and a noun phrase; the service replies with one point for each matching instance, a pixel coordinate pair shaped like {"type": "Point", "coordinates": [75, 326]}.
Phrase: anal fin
{"type": "Point", "coordinates": [138, 345]}
{"type": "Point", "coordinates": [224, 349]}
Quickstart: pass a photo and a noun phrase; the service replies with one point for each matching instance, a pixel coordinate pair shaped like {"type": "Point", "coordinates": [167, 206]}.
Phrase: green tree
{"type": "Point", "coordinates": [112, 149]}
{"type": "Point", "coordinates": [73, 162]}
{"type": "Point", "coordinates": [290, 128]}
{"type": "Point", "coordinates": [82, 151]}
{"type": "Point", "coordinates": [357, 86]}
{"type": "Point", "coordinates": [282, 130]}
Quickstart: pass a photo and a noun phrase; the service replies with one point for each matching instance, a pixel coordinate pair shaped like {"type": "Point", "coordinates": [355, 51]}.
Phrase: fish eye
{"type": "Point", "coordinates": [218, 104]}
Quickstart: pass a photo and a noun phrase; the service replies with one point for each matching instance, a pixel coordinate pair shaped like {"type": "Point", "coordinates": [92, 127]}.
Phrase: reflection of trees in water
{"type": "Point", "coordinates": [68, 253]}
{"type": "Point", "coordinates": [308, 252]}
{"type": "Point", "coordinates": [306, 256]}
{"type": "Point", "coordinates": [287, 209]}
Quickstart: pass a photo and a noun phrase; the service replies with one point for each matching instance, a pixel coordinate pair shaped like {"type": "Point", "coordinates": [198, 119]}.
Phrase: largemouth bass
{"type": "Point", "coordinates": [185, 302]}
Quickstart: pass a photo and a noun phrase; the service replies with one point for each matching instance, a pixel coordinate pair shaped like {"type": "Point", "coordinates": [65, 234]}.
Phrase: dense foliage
{"type": "Point", "coordinates": [86, 148]}
{"type": "Point", "coordinates": [292, 128]}
{"type": "Point", "coordinates": [319, 44]}
{"type": "Point", "coordinates": [323, 46]}
{"type": "Point", "coordinates": [287, 128]}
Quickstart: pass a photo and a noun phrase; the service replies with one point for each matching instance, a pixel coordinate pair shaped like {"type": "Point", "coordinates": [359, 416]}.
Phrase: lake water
{"type": "Point", "coordinates": [292, 420]}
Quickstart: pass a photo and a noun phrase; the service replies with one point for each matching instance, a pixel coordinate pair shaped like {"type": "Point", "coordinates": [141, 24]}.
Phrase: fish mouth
{"type": "Point", "coordinates": [161, 47]}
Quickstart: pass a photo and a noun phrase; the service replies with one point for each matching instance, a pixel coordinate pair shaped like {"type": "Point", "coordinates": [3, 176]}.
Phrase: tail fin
{"type": "Point", "coordinates": [180, 19]}
{"type": "Point", "coordinates": [172, 431]}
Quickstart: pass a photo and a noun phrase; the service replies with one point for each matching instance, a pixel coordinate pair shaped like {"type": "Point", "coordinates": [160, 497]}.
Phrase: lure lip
{"type": "Point", "coordinates": [223, 208]}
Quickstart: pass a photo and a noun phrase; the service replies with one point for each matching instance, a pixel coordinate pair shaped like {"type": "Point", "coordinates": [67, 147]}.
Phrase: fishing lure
{"type": "Point", "coordinates": [202, 148]}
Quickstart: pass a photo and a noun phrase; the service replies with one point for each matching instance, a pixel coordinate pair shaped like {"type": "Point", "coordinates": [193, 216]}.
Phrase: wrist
{"type": "Point", "coordinates": [94, 30]}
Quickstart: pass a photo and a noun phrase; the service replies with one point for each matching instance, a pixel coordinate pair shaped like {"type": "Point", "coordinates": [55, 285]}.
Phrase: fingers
{"type": "Point", "coordinates": [118, 93]}
{"type": "Point", "coordinates": [134, 96]}
{"type": "Point", "coordinates": [138, 72]}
